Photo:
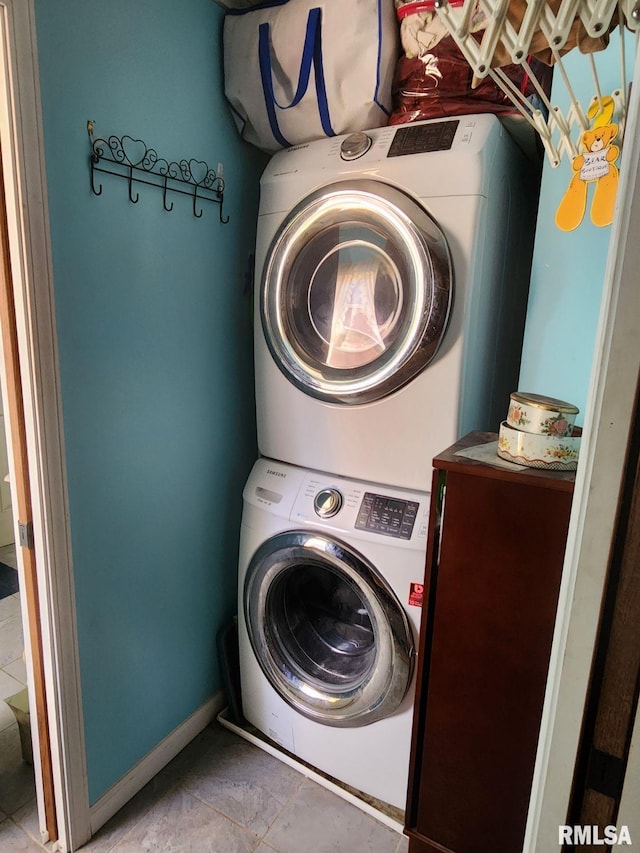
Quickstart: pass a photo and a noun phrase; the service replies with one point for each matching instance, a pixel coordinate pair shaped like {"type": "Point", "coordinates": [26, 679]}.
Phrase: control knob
{"type": "Point", "coordinates": [355, 145]}
{"type": "Point", "coordinates": [327, 503]}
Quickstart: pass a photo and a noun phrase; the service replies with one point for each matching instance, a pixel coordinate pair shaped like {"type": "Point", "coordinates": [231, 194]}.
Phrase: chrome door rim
{"type": "Point", "coordinates": [427, 286]}
{"type": "Point", "coordinates": [366, 699]}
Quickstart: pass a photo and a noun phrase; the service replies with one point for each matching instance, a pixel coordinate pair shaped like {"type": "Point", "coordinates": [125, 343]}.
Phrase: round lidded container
{"type": "Point", "coordinates": [535, 450]}
{"type": "Point", "coordinates": [541, 415]}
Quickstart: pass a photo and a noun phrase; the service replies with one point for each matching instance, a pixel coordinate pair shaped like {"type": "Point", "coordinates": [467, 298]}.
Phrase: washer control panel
{"type": "Point", "coordinates": [327, 503]}
{"type": "Point", "coordinates": [389, 516]}
{"type": "Point", "coordinates": [352, 508]}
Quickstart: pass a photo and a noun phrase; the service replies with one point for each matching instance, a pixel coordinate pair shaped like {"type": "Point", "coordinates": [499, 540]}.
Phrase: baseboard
{"type": "Point", "coordinates": [119, 794]}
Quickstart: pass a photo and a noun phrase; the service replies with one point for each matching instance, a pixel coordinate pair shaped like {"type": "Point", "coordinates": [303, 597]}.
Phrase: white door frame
{"type": "Point", "coordinates": [610, 409]}
{"type": "Point", "coordinates": [22, 151]}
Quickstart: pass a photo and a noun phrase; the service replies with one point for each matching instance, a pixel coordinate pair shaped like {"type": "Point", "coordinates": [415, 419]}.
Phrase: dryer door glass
{"type": "Point", "coordinates": [356, 292]}
{"type": "Point", "coordinates": [327, 630]}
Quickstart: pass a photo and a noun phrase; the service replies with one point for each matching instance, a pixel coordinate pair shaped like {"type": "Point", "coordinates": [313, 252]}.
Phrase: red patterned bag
{"type": "Point", "coordinates": [433, 79]}
{"type": "Point", "coordinates": [439, 84]}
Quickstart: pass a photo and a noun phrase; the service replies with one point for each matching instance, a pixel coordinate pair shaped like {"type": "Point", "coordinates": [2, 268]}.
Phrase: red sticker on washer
{"type": "Point", "coordinates": [416, 594]}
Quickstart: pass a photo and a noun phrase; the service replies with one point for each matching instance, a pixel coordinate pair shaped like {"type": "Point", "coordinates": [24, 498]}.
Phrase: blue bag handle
{"type": "Point", "coordinates": [311, 55]}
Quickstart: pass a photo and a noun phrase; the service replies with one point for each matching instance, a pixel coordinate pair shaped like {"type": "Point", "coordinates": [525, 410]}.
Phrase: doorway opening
{"type": "Point", "coordinates": [31, 404]}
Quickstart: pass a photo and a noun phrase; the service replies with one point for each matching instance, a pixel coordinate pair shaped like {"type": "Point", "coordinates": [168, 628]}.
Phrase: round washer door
{"type": "Point", "coordinates": [356, 292]}
{"type": "Point", "coordinates": [327, 630]}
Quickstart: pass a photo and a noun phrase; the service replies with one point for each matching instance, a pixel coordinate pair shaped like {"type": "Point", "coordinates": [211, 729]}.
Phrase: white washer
{"type": "Point", "coordinates": [330, 581]}
{"type": "Point", "coordinates": [393, 270]}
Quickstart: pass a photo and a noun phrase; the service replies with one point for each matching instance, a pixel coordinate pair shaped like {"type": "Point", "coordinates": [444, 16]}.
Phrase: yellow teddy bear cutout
{"type": "Point", "coordinates": [595, 165]}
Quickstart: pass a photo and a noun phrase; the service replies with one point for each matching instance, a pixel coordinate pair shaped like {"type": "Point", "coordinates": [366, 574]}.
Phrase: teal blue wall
{"type": "Point", "coordinates": [568, 267]}
{"type": "Point", "coordinates": [155, 348]}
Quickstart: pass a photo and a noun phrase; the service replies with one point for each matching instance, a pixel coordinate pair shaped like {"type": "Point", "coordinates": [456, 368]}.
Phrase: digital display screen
{"type": "Point", "coordinates": [396, 506]}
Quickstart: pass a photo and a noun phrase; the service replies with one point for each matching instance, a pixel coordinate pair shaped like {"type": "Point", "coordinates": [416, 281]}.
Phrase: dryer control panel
{"type": "Point", "coordinates": [422, 138]}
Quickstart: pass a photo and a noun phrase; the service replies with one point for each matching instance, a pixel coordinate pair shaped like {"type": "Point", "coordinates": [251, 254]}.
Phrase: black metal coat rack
{"type": "Point", "coordinates": [129, 158]}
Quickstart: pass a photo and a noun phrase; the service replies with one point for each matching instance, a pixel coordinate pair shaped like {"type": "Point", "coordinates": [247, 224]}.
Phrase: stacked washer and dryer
{"type": "Point", "coordinates": [392, 276]}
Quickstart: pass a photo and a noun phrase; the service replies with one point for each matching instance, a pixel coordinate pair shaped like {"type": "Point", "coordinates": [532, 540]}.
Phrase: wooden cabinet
{"type": "Point", "coordinates": [494, 561]}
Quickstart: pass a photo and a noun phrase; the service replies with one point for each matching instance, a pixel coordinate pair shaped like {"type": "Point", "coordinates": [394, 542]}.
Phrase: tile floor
{"type": "Point", "coordinates": [17, 790]}
{"type": "Point", "coordinates": [219, 795]}
{"type": "Point", "coordinates": [224, 795]}
{"type": "Point", "coordinates": [13, 672]}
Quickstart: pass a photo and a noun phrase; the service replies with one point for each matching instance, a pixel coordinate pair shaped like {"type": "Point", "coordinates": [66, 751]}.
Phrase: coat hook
{"type": "Point", "coordinates": [92, 160]}
{"type": "Point", "coordinates": [131, 198]}
{"type": "Point", "coordinates": [164, 196]}
{"type": "Point", "coordinates": [195, 196]}
{"type": "Point", "coordinates": [122, 156]}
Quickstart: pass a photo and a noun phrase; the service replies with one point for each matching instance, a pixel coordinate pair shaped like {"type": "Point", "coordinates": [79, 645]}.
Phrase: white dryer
{"type": "Point", "coordinates": [392, 277]}
{"type": "Point", "coordinates": [330, 584]}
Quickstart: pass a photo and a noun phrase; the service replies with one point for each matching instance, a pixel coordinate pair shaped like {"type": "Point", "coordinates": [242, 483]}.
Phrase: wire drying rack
{"type": "Point", "coordinates": [555, 20]}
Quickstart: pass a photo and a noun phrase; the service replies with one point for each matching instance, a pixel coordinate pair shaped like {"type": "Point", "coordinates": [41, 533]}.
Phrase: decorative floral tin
{"type": "Point", "coordinates": [537, 450]}
{"type": "Point", "coordinates": [534, 413]}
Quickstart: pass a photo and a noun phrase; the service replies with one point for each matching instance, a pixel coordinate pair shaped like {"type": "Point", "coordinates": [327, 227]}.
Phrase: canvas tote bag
{"type": "Point", "coordinates": [297, 70]}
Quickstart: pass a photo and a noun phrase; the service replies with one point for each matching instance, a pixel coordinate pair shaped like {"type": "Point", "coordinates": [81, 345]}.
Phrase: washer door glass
{"type": "Point", "coordinates": [327, 630]}
{"type": "Point", "coordinates": [356, 292]}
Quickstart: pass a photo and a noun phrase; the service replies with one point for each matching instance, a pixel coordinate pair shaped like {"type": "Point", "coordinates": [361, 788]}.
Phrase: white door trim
{"type": "Point", "coordinates": [23, 159]}
{"type": "Point", "coordinates": [610, 409]}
